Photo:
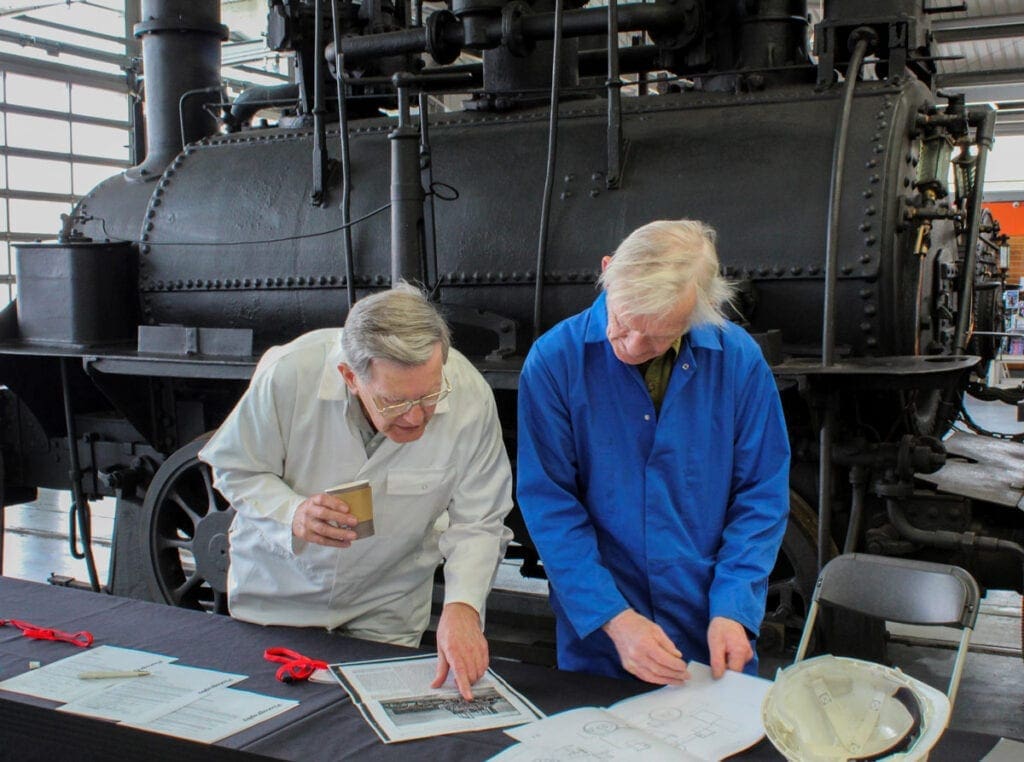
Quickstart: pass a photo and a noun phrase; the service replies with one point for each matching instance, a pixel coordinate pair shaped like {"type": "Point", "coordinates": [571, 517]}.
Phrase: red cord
{"type": "Point", "coordinates": [82, 639]}
{"type": "Point", "coordinates": [294, 666]}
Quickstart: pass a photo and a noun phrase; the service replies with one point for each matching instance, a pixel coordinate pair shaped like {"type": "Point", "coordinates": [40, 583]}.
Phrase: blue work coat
{"type": "Point", "coordinates": [678, 515]}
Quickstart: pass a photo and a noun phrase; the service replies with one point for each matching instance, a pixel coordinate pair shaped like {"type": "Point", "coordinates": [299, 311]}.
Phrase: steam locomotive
{"type": "Point", "coordinates": [493, 151]}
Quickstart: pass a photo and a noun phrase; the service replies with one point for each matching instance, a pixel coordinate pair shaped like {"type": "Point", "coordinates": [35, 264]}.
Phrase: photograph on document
{"type": "Point", "coordinates": [395, 698]}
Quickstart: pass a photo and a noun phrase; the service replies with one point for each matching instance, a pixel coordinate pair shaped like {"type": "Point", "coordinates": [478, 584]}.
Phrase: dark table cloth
{"type": "Point", "coordinates": [325, 725]}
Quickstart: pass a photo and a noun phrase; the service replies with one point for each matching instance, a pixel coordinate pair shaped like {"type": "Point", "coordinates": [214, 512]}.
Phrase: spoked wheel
{"type": "Point", "coordinates": [791, 583]}
{"type": "Point", "coordinates": [186, 525]}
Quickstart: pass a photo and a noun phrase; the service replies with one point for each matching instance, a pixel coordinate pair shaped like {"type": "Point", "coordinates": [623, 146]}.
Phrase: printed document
{"type": "Point", "coordinates": [395, 698]}
{"type": "Point", "coordinates": [172, 699]}
{"type": "Point", "coordinates": [59, 680]}
{"type": "Point", "coordinates": [705, 719]}
{"type": "Point", "coordinates": [217, 715]}
{"type": "Point", "coordinates": [141, 699]}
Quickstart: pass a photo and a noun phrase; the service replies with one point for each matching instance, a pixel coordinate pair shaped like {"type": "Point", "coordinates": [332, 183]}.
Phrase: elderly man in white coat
{"type": "Point", "coordinates": [386, 400]}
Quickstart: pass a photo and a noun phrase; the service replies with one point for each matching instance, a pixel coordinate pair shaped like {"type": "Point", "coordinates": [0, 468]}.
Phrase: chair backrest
{"type": "Point", "coordinates": [899, 590]}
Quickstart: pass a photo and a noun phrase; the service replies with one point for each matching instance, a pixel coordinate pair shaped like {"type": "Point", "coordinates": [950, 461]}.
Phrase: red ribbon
{"type": "Point", "coordinates": [82, 639]}
{"type": "Point", "coordinates": [294, 666]}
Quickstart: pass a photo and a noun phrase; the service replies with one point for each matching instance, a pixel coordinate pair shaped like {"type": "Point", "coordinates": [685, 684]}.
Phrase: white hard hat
{"type": "Point", "coordinates": [832, 708]}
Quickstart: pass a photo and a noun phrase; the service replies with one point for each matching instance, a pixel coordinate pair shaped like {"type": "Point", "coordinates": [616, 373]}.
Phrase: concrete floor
{"type": "Point", "coordinates": [991, 698]}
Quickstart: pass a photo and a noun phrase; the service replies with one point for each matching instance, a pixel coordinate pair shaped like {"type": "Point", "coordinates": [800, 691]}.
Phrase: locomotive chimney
{"type": "Point", "coordinates": [181, 63]}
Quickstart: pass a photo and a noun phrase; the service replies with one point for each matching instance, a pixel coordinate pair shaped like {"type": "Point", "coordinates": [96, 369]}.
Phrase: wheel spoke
{"type": "Point", "coordinates": [175, 543]}
{"type": "Point", "coordinates": [191, 512]}
{"type": "Point", "coordinates": [191, 582]}
{"type": "Point", "coordinates": [211, 495]}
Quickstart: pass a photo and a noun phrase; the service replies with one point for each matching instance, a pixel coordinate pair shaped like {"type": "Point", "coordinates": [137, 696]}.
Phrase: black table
{"type": "Point", "coordinates": [325, 725]}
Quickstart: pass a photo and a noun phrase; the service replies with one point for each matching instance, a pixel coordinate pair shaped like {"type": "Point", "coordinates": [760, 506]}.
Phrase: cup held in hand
{"type": "Point", "coordinates": [359, 497]}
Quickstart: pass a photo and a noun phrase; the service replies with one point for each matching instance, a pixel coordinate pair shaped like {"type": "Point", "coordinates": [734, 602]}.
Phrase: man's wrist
{"type": "Point", "coordinates": [612, 624]}
{"type": "Point", "coordinates": [462, 606]}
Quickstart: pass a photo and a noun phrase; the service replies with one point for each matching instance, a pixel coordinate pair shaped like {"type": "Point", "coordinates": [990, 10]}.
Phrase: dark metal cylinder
{"type": "Point", "coordinates": [406, 198]}
{"type": "Point", "coordinates": [181, 60]}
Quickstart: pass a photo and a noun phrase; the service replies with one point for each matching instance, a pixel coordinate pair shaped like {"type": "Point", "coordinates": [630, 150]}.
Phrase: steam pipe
{"type": "Point", "coordinates": [450, 36]}
{"type": "Point", "coordinates": [406, 191]}
{"type": "Point", "coordinates": [828, 338]}
{"type": "Point", "coordinates": [986, 119]}
{"type": "Point", "coordinates": [316, 196]}
{"type": "Point", "coordinates": [254, 98]}
{"type": "Point", "coordinates": [945, 539]}
{"type": "Point", "coordinates": [549, 174]}
{"type": "Point", "coordinates": [614, 99]}
{"type": "Point", "coordinates": [427, 173]}
{"type": "Point", "coordinates": [828, 330]}
{"type": "Point", "coordinates": [346, 164]}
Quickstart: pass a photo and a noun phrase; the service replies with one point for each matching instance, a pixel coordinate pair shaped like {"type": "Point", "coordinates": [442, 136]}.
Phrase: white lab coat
{"type": "Point", "coordinates": [446, 494]}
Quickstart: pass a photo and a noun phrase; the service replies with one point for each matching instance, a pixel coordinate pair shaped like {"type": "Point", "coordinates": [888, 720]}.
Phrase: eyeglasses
{"type": "Point", "coordinates": [617, 329]}
{"type": "Point", "coordinates": [426, 401]}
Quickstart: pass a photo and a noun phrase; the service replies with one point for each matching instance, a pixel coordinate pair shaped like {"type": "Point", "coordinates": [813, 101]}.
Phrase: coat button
{"type": "Point", "coordinates": [686, 366]}
{"type": "Point", "coordinates": [647, 416]}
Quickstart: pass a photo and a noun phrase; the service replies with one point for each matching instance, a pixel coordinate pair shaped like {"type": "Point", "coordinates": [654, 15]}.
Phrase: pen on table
{"type": "Point", "coordinates": [112, 673]}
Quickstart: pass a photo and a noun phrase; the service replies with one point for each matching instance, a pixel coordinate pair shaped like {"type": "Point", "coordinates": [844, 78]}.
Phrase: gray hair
{"type": "Point", "coordinates": [399, 325]}
{"type": "Point", "coordinates": [651, 270]}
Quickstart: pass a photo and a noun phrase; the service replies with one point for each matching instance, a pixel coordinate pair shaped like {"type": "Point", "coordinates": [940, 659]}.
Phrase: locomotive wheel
{"type": "Point", "coordinates": [186, 525]}
{"type": "Point", "coordinates": [791, 583]}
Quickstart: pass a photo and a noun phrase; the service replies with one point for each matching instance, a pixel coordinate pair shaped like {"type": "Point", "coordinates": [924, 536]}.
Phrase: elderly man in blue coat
{"type": "Point", "coordinates": [653, 466]}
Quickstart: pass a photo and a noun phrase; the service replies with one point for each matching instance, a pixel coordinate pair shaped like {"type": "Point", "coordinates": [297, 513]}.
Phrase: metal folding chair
{"type": "Point", "coordinates": [899, 590]}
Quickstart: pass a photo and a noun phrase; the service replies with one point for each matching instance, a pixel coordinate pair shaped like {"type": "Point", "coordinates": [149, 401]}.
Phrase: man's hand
{"type": "Point", "coordinates": [645, 650]}
{"type": "Point", "coordinates": [729, 646]}
{"type": "Point", "coordinates": [324, 519]}
{"type": "Point", "coordinates": [461, 647]}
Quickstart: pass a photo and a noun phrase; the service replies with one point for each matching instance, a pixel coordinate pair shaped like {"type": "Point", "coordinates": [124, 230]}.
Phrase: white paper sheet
{"type": "Point", "coordinates": [395, 698]}
{"type": "Point", "coordinates": [705, 719]}
{"type": "Point", "coordinates": [141, 699]}
{"type": "Point", "coordinates": [173, 699]}
{"type": "Point", "coordinates": [217, 715]}
{"type": "Point", "coordinates": [59, 681]}
{"type": "Point", "coordinates": [585, 735]}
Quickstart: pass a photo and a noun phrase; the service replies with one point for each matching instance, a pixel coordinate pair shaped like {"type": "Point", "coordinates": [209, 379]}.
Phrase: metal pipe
{"type": "Point", "coordinates": [549, 174]}
{"type": "Point", "coordinates": [80, 510]}
{"type": "Point", "coordinates": [986, 118]}
{"type": "Point", "coordinates": [406, 191]}
{"type": "Point", "coordinates": [257, 97]}
{"type": "Point", "coordinates": [828, 329]}
{"type": "Point", "coordinates": [427, 172]}
{"type": "Point", "coordinates": [634, 17]}
{"type": "Point", "coordinates": [858, 480]}
{"type": "Point", "coordinates": [828, 339]}
{"type": "Point", "coordinates": [316, 196]}
{"type": "Point", "coordinates": [181, 110]}
{"type": "Point", "coordinates": [346, 163]}
{"type": "Point", "coordinates": [945, 539]}
{"type": "Point", "coordinates": [614, 100]}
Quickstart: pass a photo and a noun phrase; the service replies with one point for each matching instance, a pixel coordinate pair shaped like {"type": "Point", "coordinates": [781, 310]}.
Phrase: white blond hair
{"type": "Point", "coordinates": [652, 269]}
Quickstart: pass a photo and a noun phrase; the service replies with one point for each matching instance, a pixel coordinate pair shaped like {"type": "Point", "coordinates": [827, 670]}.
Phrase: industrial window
{"type": "Point", "coordinates": [65, 104]}
{"type": "Point", "coordinates": [64, 115]}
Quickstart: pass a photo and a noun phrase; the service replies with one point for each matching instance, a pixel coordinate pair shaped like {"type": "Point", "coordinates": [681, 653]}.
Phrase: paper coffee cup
{"type": "Point", "coordinates": [359, 498]}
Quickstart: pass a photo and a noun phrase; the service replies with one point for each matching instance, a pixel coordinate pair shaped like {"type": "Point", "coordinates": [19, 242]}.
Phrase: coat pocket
{"type": "Point", "coordinates": [413, 499]}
